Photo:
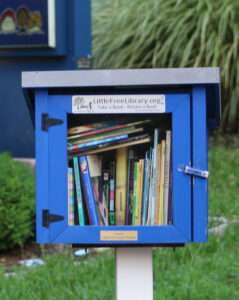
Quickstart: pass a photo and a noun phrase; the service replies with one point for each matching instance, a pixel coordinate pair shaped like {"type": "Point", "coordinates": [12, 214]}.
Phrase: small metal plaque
{"type": "Point", "coordinates": [84, 62]}
{"type": "Point", "coordinates": [115, 104]}
{"type": "Point", "coordinates": [119, 235]}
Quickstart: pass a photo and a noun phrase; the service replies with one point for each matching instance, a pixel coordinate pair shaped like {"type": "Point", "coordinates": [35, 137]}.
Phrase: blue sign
{"type": "Point", "coordinates": [27, 23]}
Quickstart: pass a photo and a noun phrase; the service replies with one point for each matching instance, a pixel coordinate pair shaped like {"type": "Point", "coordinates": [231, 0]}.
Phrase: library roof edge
{"type": "Point", "coordinates": [121, 77]}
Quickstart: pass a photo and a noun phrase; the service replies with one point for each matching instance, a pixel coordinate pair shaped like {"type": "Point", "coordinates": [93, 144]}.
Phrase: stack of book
{"type": "Point", "coordinates": [119, 174]}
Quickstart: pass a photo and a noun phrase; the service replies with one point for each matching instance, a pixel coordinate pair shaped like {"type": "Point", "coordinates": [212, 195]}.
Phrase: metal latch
{"type": "Point", "coordinates": [47, 122]}
{"type": "Point", "coordinates": [196, 172]}
{"type": "Point", "coordinates": [48, 218]}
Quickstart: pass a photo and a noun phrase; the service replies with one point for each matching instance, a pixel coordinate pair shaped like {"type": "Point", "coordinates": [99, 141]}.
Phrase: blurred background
{"type": "Point", "coordinates": [110, 34]}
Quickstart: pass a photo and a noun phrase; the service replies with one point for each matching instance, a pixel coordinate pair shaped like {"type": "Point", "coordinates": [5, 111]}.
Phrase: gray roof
{"type": "Point", "coordinates": [209, 77]}
{"type": "Point", "coordinates": [87, 78]}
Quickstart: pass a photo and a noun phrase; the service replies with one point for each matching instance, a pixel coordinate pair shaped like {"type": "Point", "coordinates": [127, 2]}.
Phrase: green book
{"type": "Point", "coordinates": [134, 193]}
{"type": "Point", "coordinates": [78, 192]}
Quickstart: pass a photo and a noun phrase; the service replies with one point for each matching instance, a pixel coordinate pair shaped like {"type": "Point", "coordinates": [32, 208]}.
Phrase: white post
{"type": "Point", "coordinates": [134, 273]}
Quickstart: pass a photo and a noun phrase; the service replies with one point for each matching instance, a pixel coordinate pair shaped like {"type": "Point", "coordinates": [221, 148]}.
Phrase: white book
{"type": "Point", "coordinates": [166, 176]}
{"type": "Point", "coordinates": [156, 133]}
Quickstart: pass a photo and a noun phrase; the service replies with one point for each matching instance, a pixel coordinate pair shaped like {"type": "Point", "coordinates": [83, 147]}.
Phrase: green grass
{"type": "Point", "coordinates": [59, 278]}
{"type": "Point", "coordinates": [224, 177]}
{"type": "Point", "coordinates": [197, 271]}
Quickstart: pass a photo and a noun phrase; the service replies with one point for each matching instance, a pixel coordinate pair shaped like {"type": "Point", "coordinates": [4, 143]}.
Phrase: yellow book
{"type": "Point", "coordinates": [161, 182]}
{"type": "Point", "coordinates": [157, 186]}
{"type": "Point", "coordinates": [141, 184]}
{"type": "Point", "coordinates": [121, 185]}
{"type": "Point", "coordinates": [137, 196]}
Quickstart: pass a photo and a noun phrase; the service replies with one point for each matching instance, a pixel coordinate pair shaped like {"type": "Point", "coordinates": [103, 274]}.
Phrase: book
{"type": "Point", "coordinates": [126, 130]}
{"type": "Point", "coordinates": [137, 212]}
{"type": "Point", "coordinates": [145, 189]}
{"type": "Point", "coordinates": [89, 193]}
{"type": "Point", "coordinates": [106, 185]}
{"type": "Point", "coordinates": [150, 188]}
{"type": "Point", "coordinates": [157, 186]}
{"type": "Point", "coordinates": [156, 133]}
{"type": "Point", "coordinates": [98, 142]}
{"type": "Point", "coordinates": [134, 194]}
{"type": "Point", "coordinates": [95, 168]}
{"type": "Point", "coordinates": [85, 128]}
{"type": "Point", "coordinates": [112, 193]}
{"type": "Point", "coordinates": [111, 146]}
{"type": "Point", "coordinates": [161, 194]}
{"type": "Point", "coordinates": [166, 176]}
{"type": "Point", "coordinates": [70, 196]}
{"type": "Point", "coordinates": [141, 185]}
{"type": "Point", "coordinates": [121, 185]}
{"type": "Point", "coordinates": [130, 186]}
{"type": "Point", "coordinates": [105, 127]}
{"type": "Point", "coordinates": [85, 207]}
{"type": "Point", "coordinates": [79, 196]}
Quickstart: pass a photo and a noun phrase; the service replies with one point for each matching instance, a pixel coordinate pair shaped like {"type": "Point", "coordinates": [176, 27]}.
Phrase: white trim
{"type": "Point", "coordinates": [51, 23]}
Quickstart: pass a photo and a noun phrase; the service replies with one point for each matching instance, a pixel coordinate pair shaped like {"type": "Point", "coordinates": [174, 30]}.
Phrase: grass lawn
{"type": "Point", "coordinates": [197, 271]}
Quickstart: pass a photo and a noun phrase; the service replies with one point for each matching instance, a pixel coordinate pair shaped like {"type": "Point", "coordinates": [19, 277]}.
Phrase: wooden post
{"type": "Point", "coordinates": [134, 273]}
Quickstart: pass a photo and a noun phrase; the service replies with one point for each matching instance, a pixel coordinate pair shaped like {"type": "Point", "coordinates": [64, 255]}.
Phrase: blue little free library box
{"type": "Point", "coordinates": [146, 131]}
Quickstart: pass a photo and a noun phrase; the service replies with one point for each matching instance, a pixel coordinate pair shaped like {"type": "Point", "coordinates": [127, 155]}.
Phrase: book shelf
{"type": "Point", "coordinates": [182, 102]}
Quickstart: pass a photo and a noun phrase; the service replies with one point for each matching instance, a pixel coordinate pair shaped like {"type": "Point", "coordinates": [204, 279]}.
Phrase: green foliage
{"type": "Point", "coordinates": [197, 271]}
{"type": "Point", "coordinates": [224, 179]}
{"type": "Point", "coordinates": [17, 203]}
{"type": "Point", "coordinates": [172, 33]}
{"type": "Point", "coordinates": [91, 278]}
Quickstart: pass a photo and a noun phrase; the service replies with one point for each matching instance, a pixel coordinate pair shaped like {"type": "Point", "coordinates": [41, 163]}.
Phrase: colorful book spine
{"type": "Point", "coordinates": [134, 194]}
{"type": "Point", "coordinates": [137, 195]}
{"type": "Point", "coordinates": [90, 199]}
{"type": "Point", "coordinates": [121, 185]}
{"type": "Point", "coordinates": [106, 185]}
{"type": "Point", "coordinates": [145, 189]}
{"type": "Point", "coordinates": [127, 130]}
{"type": "Point", "coordinates": [70, 197]}
{"type": "Point", "coordinates": [78, 192]}
{"type": "Point", "coordinates": [157, 186]}
{"type": "Point", "coordinates": [112, 193]}
{"type": "Point", "coordinates": [141, 184]}
{"type": "Point", "coordinates": [156, 133]}
{"type": "Point", "coordinates": [161, 200]}
{"type": "Point", "coordinates": [166, 176]}
{"type": "Point", "coordinates": [98, 128]}
{"type": "Point", "coordinates": [111, 146]}
{"type": "Point", "coordinates": [129, 183]}
{"type": "Point", "coordinates": [95, 168]}
{"type": "Point", "coordinates": [98, 142]}
{"type": "Point", "coordinates": [150, 187]}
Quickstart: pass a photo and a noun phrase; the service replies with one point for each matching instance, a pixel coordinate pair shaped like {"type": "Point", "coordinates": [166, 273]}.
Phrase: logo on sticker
{"type": "Point", "coordinates": [80, 104]}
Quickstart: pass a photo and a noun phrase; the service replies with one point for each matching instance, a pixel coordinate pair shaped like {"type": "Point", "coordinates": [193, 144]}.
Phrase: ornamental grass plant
{"type": "Point", "coordinates": [173, 33]}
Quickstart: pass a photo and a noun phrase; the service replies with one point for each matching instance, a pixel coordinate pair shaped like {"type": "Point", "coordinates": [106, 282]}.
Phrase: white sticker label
{"type": "Point", "coordinates": [102, 104]}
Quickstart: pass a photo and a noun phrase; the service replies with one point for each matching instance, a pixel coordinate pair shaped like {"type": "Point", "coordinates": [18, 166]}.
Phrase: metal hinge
{"type": "Point", "coordinates": [46, 122]}
{"type": "Point", "coordinates": [196, 172]}
{"type": "Point", "coordinates": [48, 218]}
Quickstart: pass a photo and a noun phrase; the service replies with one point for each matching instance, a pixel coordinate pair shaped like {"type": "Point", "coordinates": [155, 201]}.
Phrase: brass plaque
{"type": "Point", "coordinates": [118, 235]}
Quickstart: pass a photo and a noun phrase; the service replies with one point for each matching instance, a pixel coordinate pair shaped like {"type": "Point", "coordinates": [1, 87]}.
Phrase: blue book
{"type": "Point", "coordinates": [89, 193]}
{"type": "Point", "coordinates": [100, 141]}
{"type": "Point", "coordinates": [156, 133]}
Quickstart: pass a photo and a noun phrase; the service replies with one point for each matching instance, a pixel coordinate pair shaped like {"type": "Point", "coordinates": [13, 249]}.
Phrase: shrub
{"type": "Point", "coordinates": [17, 203]}
{"type": "Point", "coordinates": [172, 33]}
